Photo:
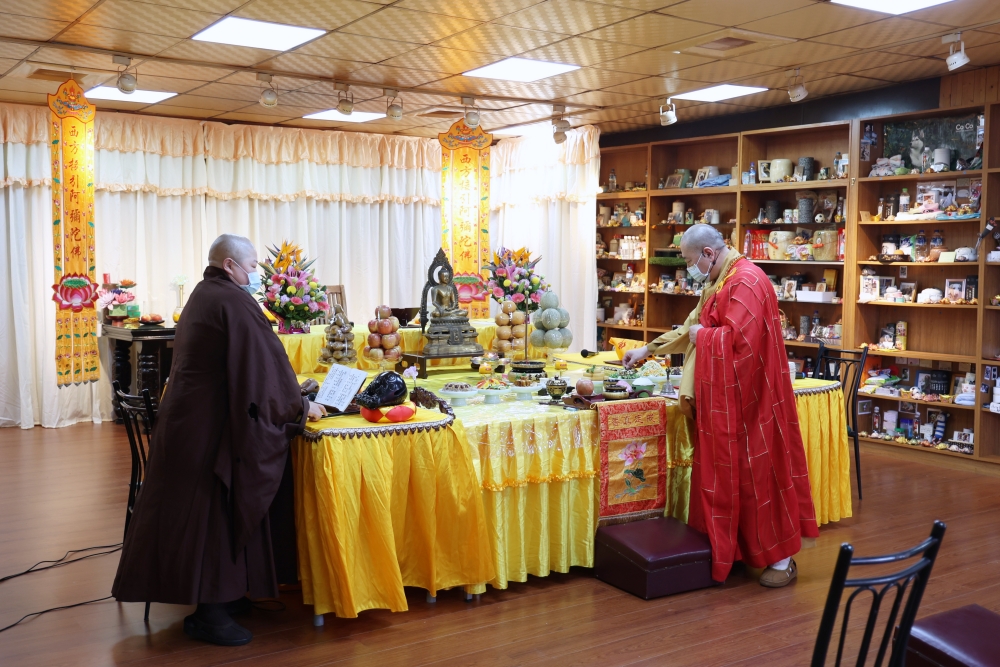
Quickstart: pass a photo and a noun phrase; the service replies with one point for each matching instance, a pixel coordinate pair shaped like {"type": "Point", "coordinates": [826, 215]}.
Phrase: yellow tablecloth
{"type": "Point", "coordinates": [303, 349]}
{"type": "Point", "coordinates": [378, 512]}
{"type": "Point", "coordinates": [536, 471]}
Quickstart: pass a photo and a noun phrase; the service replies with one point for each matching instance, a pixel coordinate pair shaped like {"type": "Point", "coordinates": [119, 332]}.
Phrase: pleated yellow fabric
{"type": "Point", "coordinates": [374, 514]}
{"type": "Point", "coordinates": [823, 422]}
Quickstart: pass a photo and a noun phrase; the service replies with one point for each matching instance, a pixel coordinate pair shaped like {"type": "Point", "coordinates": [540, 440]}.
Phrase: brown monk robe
{"type": "Point", "coordinates": [200, 532]}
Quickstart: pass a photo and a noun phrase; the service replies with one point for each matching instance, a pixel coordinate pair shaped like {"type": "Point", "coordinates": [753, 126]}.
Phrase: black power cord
{"type": "Point", "coordinates": [50, 564]}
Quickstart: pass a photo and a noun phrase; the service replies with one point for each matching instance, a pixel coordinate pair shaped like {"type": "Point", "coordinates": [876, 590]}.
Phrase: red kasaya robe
{"type": "Point", "coordinates": [749, 482]}
{"type": "Point", "coordinates": [200, 530]}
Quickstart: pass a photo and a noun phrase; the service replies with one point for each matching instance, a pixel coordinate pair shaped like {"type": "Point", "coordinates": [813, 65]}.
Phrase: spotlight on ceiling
{"type": "Point", "coordinates": [127, 81]}
{"type": "Point", "coordinates": [668, 113]}
{"type": "Point", "coordinates": [559, 129]}
{"type": "Point", "coordinates": [393, 105]}
{"type": "Point", "coordinates": [268, 96]}
{"type": "Point", "coordinates": [471, 112]}
{"type": "Point", "coordinates": [797, 91]}
{"type": "Point", "coordinates": [345, 104]}
{"type": "Point", "coordinates": [958, 58]}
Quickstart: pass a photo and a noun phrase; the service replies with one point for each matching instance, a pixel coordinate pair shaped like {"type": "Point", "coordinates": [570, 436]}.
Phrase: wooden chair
{"type": "Point", "coordinates": [335, 297]}
{"type": "Point", "coordinates": [913, 578]}
{"type": "Point", "coordinates": [847, 366]}
{"type": "Point", "coordinates": [138, 415]}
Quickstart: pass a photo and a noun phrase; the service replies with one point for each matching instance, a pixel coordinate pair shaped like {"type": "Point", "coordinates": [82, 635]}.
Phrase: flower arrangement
{"type": "Point", "coordinates": [290, 290]}
{"type": "Point", "coordinates": [512, 277]}
{"type": "Point", "coordinates": [116, 300]}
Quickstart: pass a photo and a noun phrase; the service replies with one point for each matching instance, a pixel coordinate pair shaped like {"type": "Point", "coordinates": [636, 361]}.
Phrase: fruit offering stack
{"type": "Point", "coordinates": [384, 338]}
{"type": "Point", "coordinates": [339, 347]}
{"type": "Point", "coordinates": [550, 322]}
{"type": "Point", "coordinates": [511, 333]}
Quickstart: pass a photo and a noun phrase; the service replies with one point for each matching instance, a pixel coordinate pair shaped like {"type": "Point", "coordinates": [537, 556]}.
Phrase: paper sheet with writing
{"type": "Point", "coordinates": [340, 387]}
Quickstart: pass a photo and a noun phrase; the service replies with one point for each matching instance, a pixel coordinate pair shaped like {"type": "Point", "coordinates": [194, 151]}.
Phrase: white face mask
{"type": "Point", "coordinates": [696, 274]}
{"type": "Point", "coordinates": [253, 284]}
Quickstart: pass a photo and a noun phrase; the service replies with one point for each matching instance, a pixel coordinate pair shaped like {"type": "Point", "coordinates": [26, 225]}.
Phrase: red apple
{"type": "Point", "coordinates": [373, 326]}
{"type": "Point", "coordinates": [385, 326]}
{"type": "Point", "coordinates": [393, 353]}
{"type": "Point", "coordinates": [374, 340]}
{"type": "Point", "coordinates": [395, 323]}
{"type": "Point", "coordinates": [376, 354]}
{"type": "Point", "coordinates": [366, 350]}
{"type": "Point", "coordinates": [384, 312]}
{"type": "Point", "coordinates": [584, 387]}
{"type": "Point", "coordinates": [145, 319]}
{"type": "Point", "coordinates": [390, 340]}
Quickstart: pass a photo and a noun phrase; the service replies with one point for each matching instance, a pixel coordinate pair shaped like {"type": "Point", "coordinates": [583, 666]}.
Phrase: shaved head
{"type": "Point", "coordinates": [699, 237]}
{"type": "Point", "coordinates": [237, 248]}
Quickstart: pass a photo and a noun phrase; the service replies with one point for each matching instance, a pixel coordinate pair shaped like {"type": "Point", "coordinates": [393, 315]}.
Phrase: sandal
{"type": "Point", "coordinates": [779, 578]}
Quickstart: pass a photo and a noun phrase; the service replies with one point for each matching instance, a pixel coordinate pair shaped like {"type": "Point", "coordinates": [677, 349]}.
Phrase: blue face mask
{"type": "Point", "coordinates": [254, 285]}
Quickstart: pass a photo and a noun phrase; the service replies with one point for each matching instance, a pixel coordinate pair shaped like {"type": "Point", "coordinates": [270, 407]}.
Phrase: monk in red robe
{"type": "Point", "coordinates": [199, 532]}
{"type": "Point", "coordinates": [749, 482]}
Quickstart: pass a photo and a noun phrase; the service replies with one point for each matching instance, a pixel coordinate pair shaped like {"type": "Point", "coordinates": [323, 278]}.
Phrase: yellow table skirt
{"type": "Point", "coordinates": [376, 513]}
{"type": "Point", "coordinates": [303, 349]}
{"type": "Point", "coordinates": [823, 422]}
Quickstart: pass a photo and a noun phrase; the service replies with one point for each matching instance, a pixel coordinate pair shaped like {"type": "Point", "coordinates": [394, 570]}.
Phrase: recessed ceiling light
{"type": "Point", "coordinates": [257, 34]}
{"type": "Point", "coordinates": [718, 93]}
{"type": "Point", "coordinates": [521, 69]}
{"type": "Point", "coordinates": [140, 96]}
{"type": "Point", "coordinates": [355, 117]}
{"type": "Point", "coordinates": [891, 6]}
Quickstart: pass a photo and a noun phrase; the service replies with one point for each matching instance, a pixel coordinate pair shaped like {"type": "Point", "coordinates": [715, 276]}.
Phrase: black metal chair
{"type": "Point", "coordinates": [138, 415]}
{"type": "Point", "coordinates": [847, 366]}
{"type": "Point", "coordinates": [916, 574]}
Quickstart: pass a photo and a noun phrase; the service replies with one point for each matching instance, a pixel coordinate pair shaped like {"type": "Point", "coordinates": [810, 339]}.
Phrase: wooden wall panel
{"type": "Point", "coordinates": [976, 86]}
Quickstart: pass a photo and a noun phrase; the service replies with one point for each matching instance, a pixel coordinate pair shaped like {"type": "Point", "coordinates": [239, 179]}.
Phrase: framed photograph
{"type": "Point", "coordinates": [700, 176]}
{"type": "Point", "coordinates": [932, 415]}
{"type": "Point", "coordinates": [864, 407]}
{"type": "Point", "coordinates": [909, 290]}
{"type": "Point", "coordinates": [675, 181]}
{"type": "Point", "coordinates": [885, 282]}
{"type": "Point", "coordinates": [956, 384]}
{"type": "Point", "coordinates": [820, 287]}
{"type": "Point", "coordinates": [908, 138]}
{"type": "Point", "coordinates": [788, 286]}
{"type": "Point", "coordinates": [907, 408]}
{"type": "Point", "coordinates": [902, 273]}
{"type": "Point", "coordinates": [904, 374]}
{"type": "Point", "coordinates": [923, 381]}
{"type": "Point", "coordinates": [954, 289]}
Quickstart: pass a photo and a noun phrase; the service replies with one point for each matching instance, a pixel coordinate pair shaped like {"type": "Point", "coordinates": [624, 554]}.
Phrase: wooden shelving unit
{"type": "Point", "coordinates": [951, 338]}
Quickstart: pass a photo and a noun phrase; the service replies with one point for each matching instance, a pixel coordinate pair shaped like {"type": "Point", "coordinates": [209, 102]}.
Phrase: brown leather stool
{"type": "Point", "coordinates": [653, 558]}
{"type": "Point", "coordinates": [964, 637]}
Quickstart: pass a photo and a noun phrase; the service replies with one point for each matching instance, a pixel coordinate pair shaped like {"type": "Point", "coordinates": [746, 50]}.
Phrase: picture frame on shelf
{"type": "Point", "coordinates": [907, 408]}
{"type": "Point", "coordinates": [932, 415]}
{"type": "Point", "coordinates": [788, 287]}
{"type": "Point", "coordinates": [821, 287]}
{"type": "Point", "coordinates": [956, 384]}
{"type": "Point", "coordinates": [954, 289]}
{"type": "Point", "coordinates": [885, 282]}
{"type": "Point", "coordinates": [675, 181]}
{"type": "Point", "coordinates": [869, 290]}
{"type": "Point", "coordinates": [904, 374]}
{"type": "Point", "coordinates": [908, 290]}
{"type": "Point", "coordinates": [923, 382]}
{"type": "Point", "coordinates": [865, 407]}
{"type": "Point", "coordinates": [701, 176]}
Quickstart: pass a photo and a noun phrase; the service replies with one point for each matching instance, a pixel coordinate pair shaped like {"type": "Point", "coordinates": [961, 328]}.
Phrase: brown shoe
{"type": "Point", "coordinates": [778, 578]}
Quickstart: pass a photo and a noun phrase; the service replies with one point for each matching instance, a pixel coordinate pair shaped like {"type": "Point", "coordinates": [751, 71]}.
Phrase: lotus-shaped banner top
{"type": "Point", "coordinates": [75, 291]}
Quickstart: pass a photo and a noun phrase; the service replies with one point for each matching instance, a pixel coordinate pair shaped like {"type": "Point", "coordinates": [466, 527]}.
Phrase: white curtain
{"type": "Point", "coordinates": [366, 207]}
{"type": "Point", "coordinates": [543, 197]}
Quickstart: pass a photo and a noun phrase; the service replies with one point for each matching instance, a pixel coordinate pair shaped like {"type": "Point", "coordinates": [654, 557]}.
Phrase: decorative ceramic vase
{"type": "Point", "coordinates": [780, 168]}
{"type": "Point", "coordinates": [808, 165]}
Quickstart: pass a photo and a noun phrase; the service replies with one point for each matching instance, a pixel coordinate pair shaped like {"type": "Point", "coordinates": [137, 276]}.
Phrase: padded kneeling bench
{"type": "Point", "coordinates": [654, 557]}
{"type": "Point", "coordinates": [964, 637]}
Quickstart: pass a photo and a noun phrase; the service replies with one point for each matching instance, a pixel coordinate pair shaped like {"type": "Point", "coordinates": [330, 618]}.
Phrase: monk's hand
{"type": "Point", "coordinates": [693, 333]}
{"type": "Point", "coordinates": [316, 411]}
{"type": "Point", "coordinates": [633, 357]}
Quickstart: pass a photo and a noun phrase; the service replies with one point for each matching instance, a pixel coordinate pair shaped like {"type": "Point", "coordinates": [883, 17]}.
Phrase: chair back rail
{"type": "Point", "coordinates": [138, 414]}
{"type": "Point", "coordinates": [912, 579]}
{"type": "Point", "coordinates": [335, 297]}
{"type": "Point", "coordinates": [846, 366]}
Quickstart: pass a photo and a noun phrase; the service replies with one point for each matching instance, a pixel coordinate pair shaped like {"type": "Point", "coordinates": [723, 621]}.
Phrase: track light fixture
{"type": "Point", "coordinates": [345, 98]}
{"type": "Point", "coordinates": [393, 105]}
{"type": "Point", "coordinates": [559, 125]}
{"type": "Point", "coordinates": [668, 112]}
{"type": "Point", "coordinates": [471, 112]}
{"type": "Point", "coordinates": [955, 58]}
{"type": "Point", "coordinates": [797, 91]}
{"type": "Point", "coordinates": [268, 96]}
{"type": "Point", "coordinates": [127, 81]}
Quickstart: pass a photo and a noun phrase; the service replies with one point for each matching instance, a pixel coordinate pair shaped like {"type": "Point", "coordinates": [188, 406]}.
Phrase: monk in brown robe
{"type": "Point", "coordinates": [199, 532]}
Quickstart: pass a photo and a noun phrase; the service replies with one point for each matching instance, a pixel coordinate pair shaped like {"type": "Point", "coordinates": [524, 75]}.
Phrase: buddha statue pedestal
{"type": "Point", "coordinates": [451, 337]}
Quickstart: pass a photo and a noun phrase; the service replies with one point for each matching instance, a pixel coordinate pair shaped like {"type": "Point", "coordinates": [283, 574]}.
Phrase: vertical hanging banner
{"type": "Point", "coordinates": [72, 146]}
{"type": "Point", "coordinates": [465, 212]}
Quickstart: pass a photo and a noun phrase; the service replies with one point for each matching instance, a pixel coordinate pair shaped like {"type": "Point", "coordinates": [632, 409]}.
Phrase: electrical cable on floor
{"type": "Point", "coordinates": [112, 548]}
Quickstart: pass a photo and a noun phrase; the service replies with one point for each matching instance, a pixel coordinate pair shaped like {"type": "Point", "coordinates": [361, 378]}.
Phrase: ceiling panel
{"type": "Point", "coordinates": [609, 114]}
{"type": "Point", "coordinates": [932, 46]}
{"type": "Point", "coordinates": [500, 40]}
{"type": "Point", "coordinates": [480, 10]}
{"type": "Point", "coordinates": [964, 12]}
{"type": "Point", "coordinates": [780, 78]}
{"type": "Point", "coordinates": [598, 98]}
{"type": "Point", "coordinates": [230, 92]}
{"type": "Point", "coordinates": [56, 10]}
{"type": "Point", "coordinates": [620, 126]}
{"type": "Point", "coordinates": [403, 25]}
{"type": "Point", "coordinates": [769, 98]}
{"type": "Point", "coordinates": [26, 27]}
{"type": "Point", "coordinates": [214, 104]}
{"type": "Point", "coordinates": [568, 17]}
{"type": "Point", "coordinates": [911, 69]}
{"type": "Point", "coordinates": [641, 5]}
{"type": "Point", "coordinates": [280, 111]}
{"type": "Point", "coordinates": [7, 64]}
{"type": "Point", "coordinates": [727, 12]}
{"type": "Point", "coordinates": [355, 47]}
{"type": "Point", "coordinates": [853, 63]}
{"type": "Point", "coordinates": [16, 51]}
{"type": "Point", "coordinates": [581, 51]}
{"type": "Point", "coordinates": [171, 69]}
{"type": "Point", "coordinates": [214, 6]}
{"type": "Point", "coordinates": [590, 78]}
{"type": "Point", "coordinates": [816, 19]}
{"type": "Point", "coordinates": [985, 54]}
{"type": "Point", "coordinates": [314, 124]}
{"type": "Point", "coordinates": [886, 31]}
{"type": "Point", "coordinates": [184, 112]}
{"type": "Point", "coordinates": [438, 59]}
{"type": "Point", "coordinates": [217, 53]}
{"type": "Point", "coordinates": [657, 61]}
{"type": "Point", "coordinates": [117, 40]}
{"type": "Point", "coordinates": [652, 30]}
{"type": "Point", "coordinates": [77, 58]}
{"type": "Point", "coordinates": [396, 76]}
{"type": "Point", "coordinates": [326, 14]}
{"type": "Point", "coordinates": [169, 21]}
{"type": "Point", "coordinates": [540, 90]}
{"type": "Point", "coordinates": [835, 85]}
{"type": "Point", "coordinates": [302, 98]}
{"type": "Point", "coordinates": [657, 86]}
{"type": "Point", "coordinates": [302, 64]}
{"type": "Point", "coordinates": [244, 117]}
{"type": "Point", "coordinates": [280, 81]}
{"type": "Point", "coordinates": [722, 71]}
{"type": "Point", "coordinates": [797, 53]}
{"type": "Point", "coordinates": [19, 97]}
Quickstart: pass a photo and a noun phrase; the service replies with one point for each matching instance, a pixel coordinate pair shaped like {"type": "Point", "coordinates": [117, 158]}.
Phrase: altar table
{"type": "Point", "coordinates": [536, 469]}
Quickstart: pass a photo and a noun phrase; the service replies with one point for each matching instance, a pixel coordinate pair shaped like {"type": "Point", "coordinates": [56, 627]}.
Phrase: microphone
{"type": "Point", "coordinates": [588, 353]}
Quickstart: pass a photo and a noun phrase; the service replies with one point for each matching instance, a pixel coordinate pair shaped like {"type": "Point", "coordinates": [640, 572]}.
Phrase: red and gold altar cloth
{"type": "Point", "coordinates": [633, 458]}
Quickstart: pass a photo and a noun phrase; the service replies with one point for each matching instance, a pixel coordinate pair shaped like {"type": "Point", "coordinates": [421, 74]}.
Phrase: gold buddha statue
{"type": "Point", "coordinates": [446, 326]}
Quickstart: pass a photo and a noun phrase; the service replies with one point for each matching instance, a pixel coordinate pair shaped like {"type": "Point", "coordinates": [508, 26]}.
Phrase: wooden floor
{"type": "Point", "coordinates": [65, 489]}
